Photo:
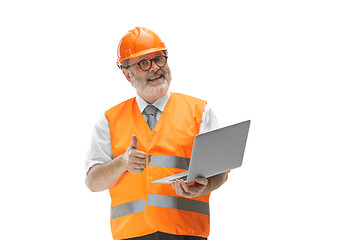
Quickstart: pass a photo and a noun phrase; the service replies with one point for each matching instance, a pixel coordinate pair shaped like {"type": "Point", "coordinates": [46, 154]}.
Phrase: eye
{"type": "Point", "coordinates": [144, 63]}
{"type": "Point", "coordinates": [160, 60]}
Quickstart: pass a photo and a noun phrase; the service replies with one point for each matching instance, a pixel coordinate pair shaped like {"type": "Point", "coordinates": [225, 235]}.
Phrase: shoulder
{"type": "Point", "coordinates": [122, 104]}
{"type": "Point", "coordinates": [117, 109]}
{"type": "Point", "coordinates": [188, 98]}
{"type": "Point", "coordinates": [209, 121]}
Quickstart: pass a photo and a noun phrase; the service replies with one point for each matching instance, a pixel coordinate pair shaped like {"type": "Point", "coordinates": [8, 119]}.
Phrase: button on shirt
{"type": "Point", "coordinates": [100, 145]}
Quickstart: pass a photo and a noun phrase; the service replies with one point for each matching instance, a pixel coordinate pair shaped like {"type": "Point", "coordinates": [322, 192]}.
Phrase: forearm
{"type": "Point", "coordinates": [104, 176]}
{"type": "Point", "coordinates": [215, 182]}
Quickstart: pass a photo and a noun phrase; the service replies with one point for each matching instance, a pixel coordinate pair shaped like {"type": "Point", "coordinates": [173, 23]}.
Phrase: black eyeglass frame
{"type": "Point", "coordinates": [151, 61]}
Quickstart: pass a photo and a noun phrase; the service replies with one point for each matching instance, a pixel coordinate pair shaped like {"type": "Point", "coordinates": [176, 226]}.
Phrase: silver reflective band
{"type": "Point", "coordinates": [128, 208]}
{"type": "Point", "coordinates": [169, 161]}
{"type": "Point", "coordinates": [179, 203]}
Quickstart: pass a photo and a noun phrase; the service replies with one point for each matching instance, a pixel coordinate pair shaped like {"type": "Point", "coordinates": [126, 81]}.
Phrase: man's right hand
{"type": "Point", "coordinates": [135, 160]}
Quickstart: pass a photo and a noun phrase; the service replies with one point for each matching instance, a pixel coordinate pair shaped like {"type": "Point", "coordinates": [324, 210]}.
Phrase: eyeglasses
{"type": "Point", "coordinates": [146, 64]}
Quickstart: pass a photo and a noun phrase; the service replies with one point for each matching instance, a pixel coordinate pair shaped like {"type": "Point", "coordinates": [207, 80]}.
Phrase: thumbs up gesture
{"type": "Point", "coordinates": [135, 159]}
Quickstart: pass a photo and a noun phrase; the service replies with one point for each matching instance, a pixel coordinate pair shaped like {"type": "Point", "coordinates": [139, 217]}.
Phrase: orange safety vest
{"type": "Point", "coordinates": [138, 207]}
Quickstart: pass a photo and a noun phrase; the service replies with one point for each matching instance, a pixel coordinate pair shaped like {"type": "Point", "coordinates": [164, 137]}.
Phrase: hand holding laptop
{"type": "Point", "coordinates": [195, 190]}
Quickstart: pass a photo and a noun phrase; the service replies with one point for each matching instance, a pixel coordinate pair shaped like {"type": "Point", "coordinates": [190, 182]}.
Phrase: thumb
{"type": "Point", "coordinates": [133, 142]}
{"type": "Point", "coordinates": [202, 181]}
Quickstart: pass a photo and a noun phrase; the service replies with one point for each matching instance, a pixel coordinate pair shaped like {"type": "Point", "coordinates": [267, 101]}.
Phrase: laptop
{"type": "Point", "coordinates": [214, 152]}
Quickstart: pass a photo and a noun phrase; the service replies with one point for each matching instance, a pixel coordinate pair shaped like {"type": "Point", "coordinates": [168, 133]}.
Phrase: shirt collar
{"type": "Point", "coordinates": [160, 103]}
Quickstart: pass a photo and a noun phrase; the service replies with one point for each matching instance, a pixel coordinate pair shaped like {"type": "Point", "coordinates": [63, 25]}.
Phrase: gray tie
{"type": "Point", "coordinates": [151, 110]}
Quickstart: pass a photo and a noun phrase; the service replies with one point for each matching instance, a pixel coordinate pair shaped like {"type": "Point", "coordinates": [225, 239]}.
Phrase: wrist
{"type": "Point", "coordinates": [121, 162]}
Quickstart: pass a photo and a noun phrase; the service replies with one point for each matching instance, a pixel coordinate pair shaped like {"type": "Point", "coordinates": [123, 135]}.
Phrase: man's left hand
{"type": "Point", "coordinates": [194, 190]}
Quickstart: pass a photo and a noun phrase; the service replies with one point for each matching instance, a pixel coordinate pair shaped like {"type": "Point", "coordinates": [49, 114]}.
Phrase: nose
{"type": "Point", "coordinates": [153, 67]}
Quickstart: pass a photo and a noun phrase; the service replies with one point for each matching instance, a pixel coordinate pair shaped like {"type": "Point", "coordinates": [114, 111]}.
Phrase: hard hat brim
{"type": "Point", "coordinates": [147, 51]}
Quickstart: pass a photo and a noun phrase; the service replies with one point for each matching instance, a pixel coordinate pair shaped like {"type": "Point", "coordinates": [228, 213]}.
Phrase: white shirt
{"type": "Point", "coordinates": [100, 145]}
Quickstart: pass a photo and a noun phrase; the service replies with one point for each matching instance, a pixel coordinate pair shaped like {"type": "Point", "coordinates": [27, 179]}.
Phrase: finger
{"type": "Point", "coordinates": [138, 160]}
{"type": "Point", "coordinates": [133, 170]}
{"type": "Point", "coordinates": [140, 170]}
{"type": "Point", "coordinates": [185, 190]}
{"type": "Point", "coordinates": [133, 142]}
{"type": "Point", "coordinates": [202, 181]}
{"type": "Point", "coordinates": [196, 188]}
{"type": "Point", "coordinates": [174, 186]}
{"type": "Point", "coordinates": [137, 153]}
{"type": "Point", "coordinates": [137, 165]}
{"type": "Point", "coordinates": [192, 190]}
{"type": "Point", "coordinates": [133, 159]}
{"type": "Point", "coordinates": [184, 186]}
{"type": "Point", "coordinates": [179, 190]}
{"type": "Point", "coordinates": [133, 167]}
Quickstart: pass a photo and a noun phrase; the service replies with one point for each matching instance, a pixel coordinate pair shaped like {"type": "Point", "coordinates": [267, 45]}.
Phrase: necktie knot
{"type": "Point", "coordinates": [150, 110]}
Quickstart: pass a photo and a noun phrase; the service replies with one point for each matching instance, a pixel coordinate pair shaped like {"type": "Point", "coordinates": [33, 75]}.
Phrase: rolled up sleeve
{"type": "Point", "coordinates": [100, 145]}
{"type": "Point", "coordinates": [209, 121]}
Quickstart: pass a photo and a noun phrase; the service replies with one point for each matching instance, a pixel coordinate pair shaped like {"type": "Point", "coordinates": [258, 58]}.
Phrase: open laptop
{"type": "Point", "coordinates": [214, 152]}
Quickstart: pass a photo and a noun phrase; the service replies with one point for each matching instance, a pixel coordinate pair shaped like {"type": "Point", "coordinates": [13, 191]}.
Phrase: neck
{"type": "Point", "coordinates": [150, 99]}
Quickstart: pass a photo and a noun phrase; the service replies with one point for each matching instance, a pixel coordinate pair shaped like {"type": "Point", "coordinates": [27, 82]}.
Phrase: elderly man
{"type": "Point", "coordinates": [147, 138]}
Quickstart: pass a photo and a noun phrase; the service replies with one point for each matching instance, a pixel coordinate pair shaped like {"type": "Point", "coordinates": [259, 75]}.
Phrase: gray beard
{"type": "Point", "coordinates": [152, 91]}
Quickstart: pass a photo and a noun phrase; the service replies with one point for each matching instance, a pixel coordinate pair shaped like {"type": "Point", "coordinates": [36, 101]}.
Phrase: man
{"type": "Point", "coordinates": [147, 138]}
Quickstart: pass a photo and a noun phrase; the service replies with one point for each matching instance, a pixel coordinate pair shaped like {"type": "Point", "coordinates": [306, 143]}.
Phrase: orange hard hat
{"type": "Point", "coordinates": [137, 42]}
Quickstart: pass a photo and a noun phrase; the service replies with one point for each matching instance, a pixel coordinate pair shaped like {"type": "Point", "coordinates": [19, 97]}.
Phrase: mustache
{"type": "Point", "coordinates": [157, 73]}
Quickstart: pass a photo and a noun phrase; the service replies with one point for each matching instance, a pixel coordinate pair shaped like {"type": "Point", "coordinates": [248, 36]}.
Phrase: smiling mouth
{"type": "Point", "coordinates": [155, 78]}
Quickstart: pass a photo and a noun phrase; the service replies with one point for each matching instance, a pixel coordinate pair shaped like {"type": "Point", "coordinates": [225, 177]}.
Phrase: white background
{"type": "Point", "coordinates": [291, 67]}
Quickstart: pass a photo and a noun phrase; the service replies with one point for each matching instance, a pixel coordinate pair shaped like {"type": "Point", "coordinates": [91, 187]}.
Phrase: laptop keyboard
{"type": "Point", "coordinates": [183, 178]}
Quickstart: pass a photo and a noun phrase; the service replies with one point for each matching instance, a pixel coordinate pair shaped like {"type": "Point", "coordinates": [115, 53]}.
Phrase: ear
{"type": "Point", "coordinates": [126, 74]}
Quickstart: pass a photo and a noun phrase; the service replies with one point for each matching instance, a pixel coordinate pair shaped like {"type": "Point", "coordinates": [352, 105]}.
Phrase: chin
{"type": "Point", "coordinates": [156, 92]}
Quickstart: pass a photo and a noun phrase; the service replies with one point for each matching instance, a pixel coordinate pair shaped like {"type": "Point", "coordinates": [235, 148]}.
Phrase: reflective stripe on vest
{"type": "Point", "coordinates": [169, 161]}
{"type": "Point", "coordinates": [178, 203]}
{"type": "Point", "coordinates": [160, 201]}
{"type": "Point", "coordinates": [128, 208]}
